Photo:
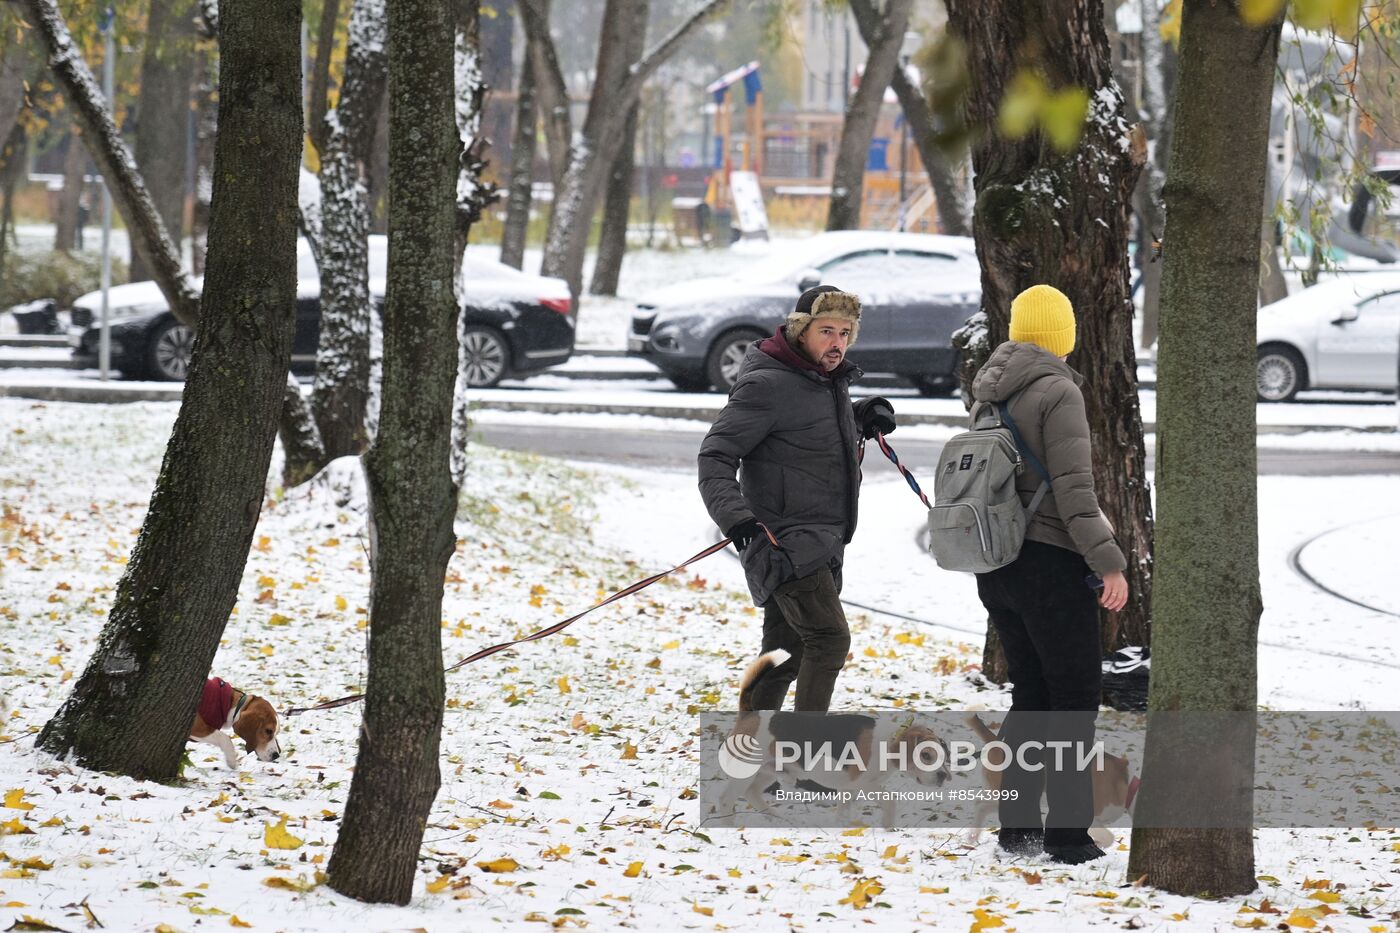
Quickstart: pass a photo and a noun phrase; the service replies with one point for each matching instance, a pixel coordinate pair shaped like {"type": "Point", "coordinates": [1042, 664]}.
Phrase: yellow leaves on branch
{"type": "Point", "coordinates": [277, 837]}
{"type": "Point", "coordinates": [1030, 105]}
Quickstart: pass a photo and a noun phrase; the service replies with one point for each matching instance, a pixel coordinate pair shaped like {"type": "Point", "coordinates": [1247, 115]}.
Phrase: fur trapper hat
{"type": "Point", "coordinates": [823, 301]}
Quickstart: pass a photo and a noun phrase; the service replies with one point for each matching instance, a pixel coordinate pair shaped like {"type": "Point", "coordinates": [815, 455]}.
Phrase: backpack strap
{"type": "Point", "coordinates": [1026, 452]}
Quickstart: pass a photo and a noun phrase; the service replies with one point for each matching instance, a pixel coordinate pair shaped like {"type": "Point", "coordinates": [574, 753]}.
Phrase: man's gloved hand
{"type": "Point", "coordinates": [743, 534]}
{"type": "Point", "coordinates": [876, 417]}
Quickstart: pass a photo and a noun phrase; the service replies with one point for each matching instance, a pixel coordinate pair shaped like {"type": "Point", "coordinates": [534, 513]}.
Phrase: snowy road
{"type": "Point", "coordinates": [673, 443]}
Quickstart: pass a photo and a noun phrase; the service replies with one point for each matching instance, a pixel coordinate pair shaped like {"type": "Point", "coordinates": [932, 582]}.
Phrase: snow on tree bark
{"type": "Point", "coordinates": [473, 195]}
{"type": "Point", "coordinates": [411, 493]}
{"type": "Point", "coordinates": [111, 154]}
{"type": "Point", "coordinates": [130, 710]}
{"type": "Point", "coordinates": [848, 180]}
{"type": "Point", "coordinates": [1062, 219]}
{"type": "Point", "coordinates": [342, 354]}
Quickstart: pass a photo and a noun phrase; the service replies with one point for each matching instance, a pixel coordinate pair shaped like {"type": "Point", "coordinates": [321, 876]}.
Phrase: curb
{"type": "Point", "coordinates": [110, 394]}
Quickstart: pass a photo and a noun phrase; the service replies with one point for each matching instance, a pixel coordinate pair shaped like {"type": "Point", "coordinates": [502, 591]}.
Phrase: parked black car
{"type": "Point", "coordinates": [515, 324]}
{"type": "Point", "coordinates": [915, 289]}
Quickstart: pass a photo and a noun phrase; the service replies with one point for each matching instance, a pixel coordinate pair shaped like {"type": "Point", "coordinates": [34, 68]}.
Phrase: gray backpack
{"type": "Point", "coordinates": [977, 522]}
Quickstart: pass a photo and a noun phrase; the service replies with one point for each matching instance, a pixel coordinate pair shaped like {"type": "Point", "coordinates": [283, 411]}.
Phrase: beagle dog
{"type": "Point", "coordinates": [910, 748]}
{"type": "Point", "coordinates": [251, 717]}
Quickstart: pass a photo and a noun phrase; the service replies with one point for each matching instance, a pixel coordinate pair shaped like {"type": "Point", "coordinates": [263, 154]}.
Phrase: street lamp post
{"type": "Point", "coordinates": [104, 343]}
{"type": "Point", "coordinates": [906, 49]}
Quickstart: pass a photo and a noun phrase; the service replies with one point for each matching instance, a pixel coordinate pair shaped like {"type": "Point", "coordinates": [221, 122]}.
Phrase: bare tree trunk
{"type": "Point", "coordinates": [520, 188]}
{"type": "Point", "coordinates": [1272, 286]}
{"type": "Point", "coordinates": [16, 63]}
{"type": "Point", "coordinates": [342, 354]}
{"type": "Point", "coordinates": [109, 151]}
{"type": "Point", "coordinates": [163, 115]}
{"type": "Point", "coordinates": [617, 210]}
{"type": "Point", "coordinates": [412, 498]}
{"type": "Point", "coordinates": [321, 73]}
{"type": "Point", "coordinates": [1062, 220]}
{"type": "Point", "coordinates": [944, 171]}
{"type": "Point", "coordinates": [848, 181]}
{"type": "Point", "coordinates": [379, 172]}
{"type": "Point", "coordinates": [131, 709]}
{"type": "Point", "coordinates": [549, 84]}
{"type": "Point", "coordinates": [1148, 198]}
{"type": "Point", "coordinates": [577, 197]}
{"type": "Point", "coordinates": [13, 153]}
{"type": "Point", "coordinates": [69, 202]}
{"type": "Point", "coordinates": [1207, 596]}
{"type": "Point", "coordinates": [617, 205]}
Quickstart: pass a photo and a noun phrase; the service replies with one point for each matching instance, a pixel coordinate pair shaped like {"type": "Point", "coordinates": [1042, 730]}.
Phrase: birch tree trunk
{"type": "Point", "coordinates": [1062, 219]}
{"type": "Point", "coordinates": [863, 112]}
{"type": "Point", "coordinates": [412, 498]}
{"type": "Point", "coordinates": [130, 711]}
{"type": "Point", "coordinates": [341, 395]}
{"type": "Point", "coordinates": [1207, 597]}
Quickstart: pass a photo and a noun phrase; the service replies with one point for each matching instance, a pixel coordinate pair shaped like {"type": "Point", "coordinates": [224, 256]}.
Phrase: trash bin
{"type": "Point", "coordinates": [37, 317]}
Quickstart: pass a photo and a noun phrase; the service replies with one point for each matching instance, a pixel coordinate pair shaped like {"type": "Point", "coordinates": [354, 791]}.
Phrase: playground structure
{"type": "Point", "coordinates": [793, 156]}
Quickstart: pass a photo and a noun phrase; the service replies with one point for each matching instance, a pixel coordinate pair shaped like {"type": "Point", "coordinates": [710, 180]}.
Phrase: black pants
{"type": "Point", "coordinates": [1047, 619]}
{"type": "Point", "coordinates": [804, 617]}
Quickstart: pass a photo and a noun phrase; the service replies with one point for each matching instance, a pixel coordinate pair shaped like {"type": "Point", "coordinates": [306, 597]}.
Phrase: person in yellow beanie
{"type": "Point", "coordinates": [1042, 315]}
{"type": "Point", "coordinates": [1042, 604]}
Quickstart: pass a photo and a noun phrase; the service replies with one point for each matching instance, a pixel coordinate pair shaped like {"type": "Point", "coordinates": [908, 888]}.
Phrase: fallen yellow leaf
{"type": "Point", "coordinates": [440, 885]}
{"type": "Point", "coordinates": [862, 892]}
{"type": "Point", "coordinates": [629, 751]}
{"type": "Point", "coordinates": [14, 800]}
{"type": "Point", "coordinates": [499, 866]}
{"type": "Point", "coordinates": [563, 684]}
{"type": "Point", "coordinates": [235, 922]}
{"type": "Point", "coordinates": [277, 837]}
{"type": "Point", "coordinates": [633, 870]}
{"type": "Point", "coordinates": [985, 920]}
{"type": "Point", "coordinates": [704, 911]}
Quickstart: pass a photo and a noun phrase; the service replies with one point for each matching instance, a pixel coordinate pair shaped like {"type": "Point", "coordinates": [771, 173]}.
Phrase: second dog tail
{"type": "Point", "coordinates": [760, 666]}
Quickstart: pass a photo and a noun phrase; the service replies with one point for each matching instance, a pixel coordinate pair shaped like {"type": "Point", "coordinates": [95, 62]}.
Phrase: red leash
{"type": "Point", "coordinates": [553, 629]}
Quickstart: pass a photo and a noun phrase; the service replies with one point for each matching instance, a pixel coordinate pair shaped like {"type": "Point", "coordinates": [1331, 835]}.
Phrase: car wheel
{"type": "Point", "coordinates": [168, 351]}
{"type": "Point", "coordinates": [484, 354]}
{"type": "Point", "coordinates": [726, 356]}
{"type": "Point", "coordinates": [1280, 374]}
{"type": "Point", "coordinates": [935, 386]}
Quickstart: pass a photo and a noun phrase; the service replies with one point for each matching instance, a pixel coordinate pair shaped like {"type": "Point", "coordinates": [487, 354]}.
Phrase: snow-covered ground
{"type": "Point", "coordinates": [574, 756]}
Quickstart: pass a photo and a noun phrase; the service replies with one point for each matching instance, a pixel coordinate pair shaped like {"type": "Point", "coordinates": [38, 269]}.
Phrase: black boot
{"type": "Point", "coordinates": [1074, 854]}
{"type": "Point", "coordinates": [1020, 842]}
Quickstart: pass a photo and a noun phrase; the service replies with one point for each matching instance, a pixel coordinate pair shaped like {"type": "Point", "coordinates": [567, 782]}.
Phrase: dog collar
{"type": "Point", "coordinates": [238, 707]}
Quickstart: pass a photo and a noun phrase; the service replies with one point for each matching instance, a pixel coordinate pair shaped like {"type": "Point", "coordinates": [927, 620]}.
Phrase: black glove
{"type": "Point", "coordinates": [877, 417]}
{"type": "Point", "coordinates": [743, 534]}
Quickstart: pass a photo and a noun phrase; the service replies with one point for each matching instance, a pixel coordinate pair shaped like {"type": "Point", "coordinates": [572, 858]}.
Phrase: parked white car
{"type": "Point", "coordinates": [1343, 333]}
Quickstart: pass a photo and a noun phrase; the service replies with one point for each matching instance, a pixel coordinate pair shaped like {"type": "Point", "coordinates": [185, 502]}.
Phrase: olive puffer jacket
{"type": "Point", "coordinates": [1049, 411]}
{"type": "Point", "coordinates": [792, 435]}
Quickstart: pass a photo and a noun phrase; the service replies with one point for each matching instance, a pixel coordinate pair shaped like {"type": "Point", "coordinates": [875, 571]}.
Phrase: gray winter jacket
{"type": "Point", "coordinates": [792, 435]}
{"type": "Point", "coordinates": [1050, 415]}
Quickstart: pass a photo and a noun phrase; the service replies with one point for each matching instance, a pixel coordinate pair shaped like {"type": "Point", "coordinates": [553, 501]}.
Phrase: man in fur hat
{"type": "Point", "coordinates": [791, 432]}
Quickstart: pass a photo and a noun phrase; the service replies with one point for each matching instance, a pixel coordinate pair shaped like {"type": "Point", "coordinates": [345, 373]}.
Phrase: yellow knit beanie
{"type": "Point", "coordinates": [1042, 315]}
